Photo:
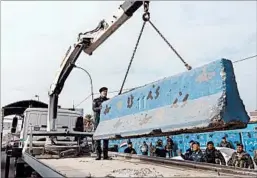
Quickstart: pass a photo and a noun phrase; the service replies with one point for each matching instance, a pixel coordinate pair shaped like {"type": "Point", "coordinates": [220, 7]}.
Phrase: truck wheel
{"type": "Point", "coordinates": [19, 171]}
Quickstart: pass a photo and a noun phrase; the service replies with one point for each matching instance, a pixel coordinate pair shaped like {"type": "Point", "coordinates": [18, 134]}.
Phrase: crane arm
{"type": "Point", "coordinates": [88, 43]}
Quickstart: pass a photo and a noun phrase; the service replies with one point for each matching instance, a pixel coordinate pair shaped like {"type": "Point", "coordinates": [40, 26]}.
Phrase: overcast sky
{"type": "Point", "coordinates": [36, 35]}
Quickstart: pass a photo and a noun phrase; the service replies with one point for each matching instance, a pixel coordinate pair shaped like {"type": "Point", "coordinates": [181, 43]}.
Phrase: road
{"type": "Point", "coordinates": [11, 172]}
{"type": "Point", "coordinates": [122, 167]}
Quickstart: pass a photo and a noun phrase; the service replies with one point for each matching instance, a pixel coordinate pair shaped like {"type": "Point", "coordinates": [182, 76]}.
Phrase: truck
{"type": "Point", "coordinates": [9, 138]}
{"type": "Point", "coordinates": [68, 160]}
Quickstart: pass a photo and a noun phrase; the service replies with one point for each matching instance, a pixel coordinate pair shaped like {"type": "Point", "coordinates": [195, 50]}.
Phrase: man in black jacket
{"type": "Point", "coordinates": [212, 155]}
{"type": "Point", "coordinates": [225, 143]}
{"type": "Point", "coordinates": [97, 106]}
{"type": "Point", "coordinates": [197, 155]}
{"type": "Point", "coordinates": [189, 151]}
{"type": "Point", "coordinates": [130, 149]}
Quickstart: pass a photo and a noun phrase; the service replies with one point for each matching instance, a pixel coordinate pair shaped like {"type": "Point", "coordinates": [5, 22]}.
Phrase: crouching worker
{"type": "Point", "coordinates": [97, 106]}
{"type": "Point", "coordinates": [212, 155]}
{"type": "Point", "coordinates": [241, 159]}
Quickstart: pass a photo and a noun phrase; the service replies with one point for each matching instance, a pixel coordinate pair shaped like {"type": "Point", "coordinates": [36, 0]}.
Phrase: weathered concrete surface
{"type": "Point", "coordinates": [205, 97]}
{"type": "Point", "coordinates": [121, 167]}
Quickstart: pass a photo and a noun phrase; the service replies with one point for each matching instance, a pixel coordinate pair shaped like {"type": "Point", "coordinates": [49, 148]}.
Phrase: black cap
{"type": "Point", "coordinates": [129, 143]}
{"type": "Point", "coordinates": [210, 142]}
{"type": "Point", "coordinates": [103, 89]}
{"type": "Point", "coordinates": [197, 143]}
{"type": "Point", "coordinates": [191, 141]}
{"type": "Point", "coordinates": [240, 144]}
{"type": "Point", "coordinates": [223, 137]}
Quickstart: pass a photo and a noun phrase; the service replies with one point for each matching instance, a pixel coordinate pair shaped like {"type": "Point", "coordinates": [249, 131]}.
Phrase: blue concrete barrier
{"type": "Point", "coordinates": [200, 99]}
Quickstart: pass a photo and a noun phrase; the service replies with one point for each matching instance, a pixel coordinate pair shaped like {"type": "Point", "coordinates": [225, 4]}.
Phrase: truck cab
{"type": "Point", "coordinates": [36, 119]}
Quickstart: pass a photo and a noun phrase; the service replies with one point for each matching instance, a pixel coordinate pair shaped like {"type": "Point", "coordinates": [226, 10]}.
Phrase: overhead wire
{"type": "Point", "coordinates": [244, 59]}
{"type": "Point", "coordinates": [87, 97]}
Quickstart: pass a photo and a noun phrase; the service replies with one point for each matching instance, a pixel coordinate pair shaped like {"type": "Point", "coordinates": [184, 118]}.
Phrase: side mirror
{"type": "Point", "coordinates": [14, 124]}
{"type": "Point", "coordinates": [13, 130]}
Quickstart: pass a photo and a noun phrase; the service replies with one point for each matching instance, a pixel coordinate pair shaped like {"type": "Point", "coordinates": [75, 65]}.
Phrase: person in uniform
{"type": "Point", "coordinates": [197, 154]}
{"type": "Point", "coordinates": [225, 143]}
{"type": "Point", "coordinates": [240, 158]}
{"type": "Point", "coordinates": [189, 151]}
{"type": "Point", "coordinates": [144, 148]}
{"type": "Point", "coordinates": [169, 146]}
{"type": "Point", "coordinates": [130, 149]}
{"type": "Point", "coordinates": [160, 149]}
{"type": "Point", "coordinates": [97, 106]}
{"type": "Point", "coordinates": [212, 155]}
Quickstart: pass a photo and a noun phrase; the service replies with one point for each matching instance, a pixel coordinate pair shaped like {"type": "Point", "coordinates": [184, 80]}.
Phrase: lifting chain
{"type": "Point", "coordinates": [171, 47]}
{"type": "Point", "coordinates": [146, 18]}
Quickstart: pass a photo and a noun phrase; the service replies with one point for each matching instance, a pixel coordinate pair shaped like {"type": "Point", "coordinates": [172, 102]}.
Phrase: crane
{"type": "Point", "coordinates": [88, 43]}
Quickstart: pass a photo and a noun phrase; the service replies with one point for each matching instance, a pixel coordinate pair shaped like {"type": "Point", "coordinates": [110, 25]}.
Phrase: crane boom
{"type": "Point", "coordinates": [87, 42]}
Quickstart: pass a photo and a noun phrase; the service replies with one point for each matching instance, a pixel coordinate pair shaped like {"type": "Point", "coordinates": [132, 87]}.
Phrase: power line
{"type": "Point", "coordinates": [247, 58]}
{"type": "Point", "coordinates": [116, 91]}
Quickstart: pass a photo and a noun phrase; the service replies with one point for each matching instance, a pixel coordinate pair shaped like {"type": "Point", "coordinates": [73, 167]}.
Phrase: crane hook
{"type": "Point", "coordinates": [146, 15]}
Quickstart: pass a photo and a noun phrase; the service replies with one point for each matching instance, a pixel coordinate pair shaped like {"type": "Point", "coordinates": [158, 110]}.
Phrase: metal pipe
{"type": "Point", "coordinates": [30, 140]}
{"type": "Point", "coordinates": [91, 81]}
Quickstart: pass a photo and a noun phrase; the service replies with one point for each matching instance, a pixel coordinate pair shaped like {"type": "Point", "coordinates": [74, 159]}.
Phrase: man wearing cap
{"type": "Point", "coordinates": [189, 151]}
{"type": "Point", "coordinates": [212, 155]}
{"type": "Point", "coordinates": [197, 154]}
{"type": "Point", "coordinates": [240, 158]}
{"type": "Point", "coordinates": [159, 149]}
{"type": "Point", "coordinates": [97, 106]}
{"type": "Point", "coordinates": [225, 143]}
{"type": "Point", "coordinates": [130, 149]}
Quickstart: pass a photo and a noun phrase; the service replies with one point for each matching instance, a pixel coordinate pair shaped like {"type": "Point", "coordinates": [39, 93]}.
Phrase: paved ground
{"type": "Point", "coordinates": [11, 172]}
{"type": "Point", "coordinates": [121, 167]}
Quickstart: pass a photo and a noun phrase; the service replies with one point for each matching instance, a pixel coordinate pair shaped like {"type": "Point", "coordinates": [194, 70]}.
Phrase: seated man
{"type": "Point", "coordinates": [212, 155]}
{"type": "Point", "coordinates": [189, 151]}
{"type": "Point", "coordinates": [159, 149]}
{"type": "Point", "coordinates": [225, 143]}
{"type": "Point", "coordinates": [197, 154]}
{"type": "Point", "coordinates": [130, 149]}
{"type": "Point", "coordinates": [240, 158]}
{"type": "Point", "coordinates": [144, 148]}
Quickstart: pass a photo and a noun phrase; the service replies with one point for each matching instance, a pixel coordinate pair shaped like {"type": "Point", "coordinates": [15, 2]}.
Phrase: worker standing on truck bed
{"type": "Point", "coordinates": [212, 155]}
{"type": "Point", "coordinates": [97, 106]}
{"type": "Point", "coordinates": [240, 158]}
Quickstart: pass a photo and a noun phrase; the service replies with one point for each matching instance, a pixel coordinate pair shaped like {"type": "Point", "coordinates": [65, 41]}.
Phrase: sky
{"type": "Point", "coordinates": [36, 35]}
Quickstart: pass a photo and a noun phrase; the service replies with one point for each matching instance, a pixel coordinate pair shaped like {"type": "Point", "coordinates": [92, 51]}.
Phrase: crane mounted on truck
{"type": "Point", "coordinates": [88, 43]}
